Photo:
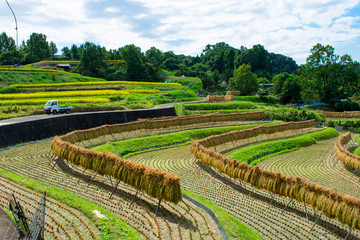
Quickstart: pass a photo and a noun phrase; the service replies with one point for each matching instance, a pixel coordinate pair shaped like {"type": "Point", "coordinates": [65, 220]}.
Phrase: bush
{"type": "Point", "coordinates": [346, 105]}
{"type": "Point", "coordinates": [116, 98]}
{"type": "Point", "coordinates": [291, 114]}
{"type": "Point", "coordinates": [347, 124]}
{"type": "Point", "coordinates": [9, 90]}
{"type": "Point", "coordinates": [161, 100]}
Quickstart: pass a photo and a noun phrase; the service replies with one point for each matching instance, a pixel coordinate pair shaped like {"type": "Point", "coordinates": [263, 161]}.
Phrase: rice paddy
{"type": "Point", "coordinates": [270, 216]}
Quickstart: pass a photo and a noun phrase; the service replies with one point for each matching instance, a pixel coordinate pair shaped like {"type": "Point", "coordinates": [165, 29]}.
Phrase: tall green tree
{"type": "Point", "coordinates": [37, 47]}
{"type": "Point", "coordinates": [53, 48]}
{"type": "Point", "coordinates": [281, 63]}
{"type": "Point", "coordinates": [135, 70]}
{"type": "Point", "coordinates": [66, 52]}
{"type": "Point", "coordinates": [244, 81]}
{"type": "Point", "coordinates": [6, 43]}
{"type": "Point", "coordinates": [74, 52]}
{"type": "Point", "coordinates": [93, 60]}
{"type": "Point", "coordinates": [287, 87]}
{"type": "Point", "coordinates": [259, 60]}
{"type": "Point", "coordinates": [155, 57]}
{"type": "Point", "coordinates": [332, 76]}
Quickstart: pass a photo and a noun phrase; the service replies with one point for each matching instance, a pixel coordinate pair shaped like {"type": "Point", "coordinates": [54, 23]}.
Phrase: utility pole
{"type": "Point", "coordinates": [16, 26]}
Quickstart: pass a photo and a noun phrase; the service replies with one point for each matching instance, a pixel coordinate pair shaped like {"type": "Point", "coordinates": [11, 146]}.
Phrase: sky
{"type": "Point", "coordinates": [285, 27]}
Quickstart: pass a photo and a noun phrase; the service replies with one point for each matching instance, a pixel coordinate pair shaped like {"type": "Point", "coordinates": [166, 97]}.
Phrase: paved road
{"type": "Point", "coordinates": [8, 230]}
{"type": "Point", "coordinates": [45, 116]}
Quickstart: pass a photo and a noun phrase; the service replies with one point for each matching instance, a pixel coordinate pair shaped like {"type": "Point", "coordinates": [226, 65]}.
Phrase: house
{"type": "Point", "coordinates": [64, 66]}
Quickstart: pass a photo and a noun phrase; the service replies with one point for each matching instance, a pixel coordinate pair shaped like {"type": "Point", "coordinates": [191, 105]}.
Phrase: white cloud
{"type": "Point", "coordinates": [282, 26]}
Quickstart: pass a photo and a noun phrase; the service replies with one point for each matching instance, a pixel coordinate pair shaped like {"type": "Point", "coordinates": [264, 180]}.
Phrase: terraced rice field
{"type": "Point", "coordinates": [62, 222]}
{"type": "Point", "coordinates": [173, 221]}
{"type": "Point", "coordinates": [256, 208]}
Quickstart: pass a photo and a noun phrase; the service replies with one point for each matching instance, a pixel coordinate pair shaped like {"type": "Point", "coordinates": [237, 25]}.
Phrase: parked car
{"type": "Point", "coordinates": [53, 107]}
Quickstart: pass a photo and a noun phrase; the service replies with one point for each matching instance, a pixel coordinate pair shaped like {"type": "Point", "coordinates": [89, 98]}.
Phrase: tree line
{"type": "Point", "coordinates": [326, 76]}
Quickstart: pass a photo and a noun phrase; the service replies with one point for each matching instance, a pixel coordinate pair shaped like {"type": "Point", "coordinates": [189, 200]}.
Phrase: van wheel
{"type": "Point", "coordinates": [54, 112]}
{"type": "Point", "coordinates": [67, 111]}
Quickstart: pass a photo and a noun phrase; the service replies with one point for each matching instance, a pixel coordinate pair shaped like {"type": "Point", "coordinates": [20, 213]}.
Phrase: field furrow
{"type": "Point", "coordinates": [252, 206]}
{"type": "Point", "coordinates": [172, 221]}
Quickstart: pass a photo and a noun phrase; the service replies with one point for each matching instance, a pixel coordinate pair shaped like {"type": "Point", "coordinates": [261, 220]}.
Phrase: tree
{"type": "Point", "coordinates": [11, 57]}
{"type": "Point", "coordinates": [66, 52]}
{"type": "Point", "coordinates": [92, 61]}
{"type": "Point", "coordinates": [332, 79]}
{"type": "Point", "coordinates": [259, 60]}
{"type": "Point", "coordinates": [281, 63]}
{"type": "Point", "coordinates": [278, 81]}
{"type": "Point", "coordinates": [207, 80]}
{"type": "Point", "coordinates": [135, 70]}
{"type": "Point", "coordinates": [37, 47]}
{"type": "Point", "coordinates": [287, 87]}
{"type": "Point", "coordinates": [53, 48]}
{"type": "Point", "coordinates": [155, 57]}
{"type": "Point", "coordinates": [291, 92]}
{"type": "Point", "coordinates": [6, 43]}
{"type": "Point", "coordinates": [244, 81]}
{"type": "Point", "coordinates": [74, 52]}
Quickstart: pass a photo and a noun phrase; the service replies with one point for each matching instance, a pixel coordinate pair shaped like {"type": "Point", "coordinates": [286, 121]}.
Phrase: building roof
{"type": "Point", "coordinates": [64, 65]}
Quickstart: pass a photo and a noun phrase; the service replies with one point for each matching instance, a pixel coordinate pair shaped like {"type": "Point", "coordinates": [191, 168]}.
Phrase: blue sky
{"type": "Point", "coordinates": [287, 27]}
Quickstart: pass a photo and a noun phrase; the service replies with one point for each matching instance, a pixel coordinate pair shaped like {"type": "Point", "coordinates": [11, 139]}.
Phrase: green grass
{"type": "Point", "coordinates": [254, 154]}
{"type": "Point", "coordinates": [357, 149]}
{"type": "Point", "coordinates": [219, 106]}
{"type": "Point", "coordinates": [226, 111]}
{"type": "Point", "coordinates": [233, 227]}
{"type": "Point", "coordinates": [8, 78]}
{"type": "Point", "coordinates": [111, 227]}
{"type": "Point", "coordinates": [154, 142]}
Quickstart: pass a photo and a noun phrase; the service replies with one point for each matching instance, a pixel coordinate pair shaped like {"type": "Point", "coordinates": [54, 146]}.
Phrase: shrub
{"type": "Point", "coordinates": [9, 90]}
{"type": "Point", "coordinates": [291, 114]}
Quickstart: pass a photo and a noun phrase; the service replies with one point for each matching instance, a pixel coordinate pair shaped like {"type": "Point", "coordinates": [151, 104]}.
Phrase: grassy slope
{"type": "Point", "coordinates": [8, 78]}
{"type": "Point", "coordinates": [111, 227]}
{"type": "Point", "coordinates": [357, 149]}
{"type": "Point", "coordinates": [154, 142]}
{"type": "Point", "coordinates": [253, 154]}
{"type": "Point", "coordinates": [233, 227]}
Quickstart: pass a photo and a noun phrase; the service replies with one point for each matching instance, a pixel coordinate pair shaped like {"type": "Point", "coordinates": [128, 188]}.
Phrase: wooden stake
{"type": "Point", "coordinates": [158, 207]}
{"type": "Point", "coordinates": [315, 222]}
{"type": "Point", "coordinates": [114, 189]}
{"type": "Point", "coordinates": [307, 216]}
{"type": "Point", "coordinates": [286, 205]}
{"type": "Point", "coordinates": [353, 173]}
{"type": "Point", "coordinates": [92, 179]}
{"type": "Point", "coordinates": [348, 234]}
{"type": "Point", "coordinates": [137, 191]}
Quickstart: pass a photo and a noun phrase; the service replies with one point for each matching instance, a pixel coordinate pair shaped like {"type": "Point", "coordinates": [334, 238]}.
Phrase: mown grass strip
{"type": "Point", "coordinates": [37, 70]}
{"type": "Point", "coordinates": [225, 111]}
{"type": "Point", "coordinates": [219, 106]}
{"type": "Point", "coordinates": [8, 96]}
{"type": "Point", "coordinates": [62, 100]}
{"type": "Point", "coordinates": [233, 227]}
{"type": "Point", "coordinates": [357, 149]}
{"type": "Point", "coordinates": [256, 153]}
{"type": "Point", "coordinates": [69, 84]}
{"type": "Point", "coordinates": [154, 142]}
{"type": "Point", "coordinates": [110, 227]}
